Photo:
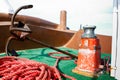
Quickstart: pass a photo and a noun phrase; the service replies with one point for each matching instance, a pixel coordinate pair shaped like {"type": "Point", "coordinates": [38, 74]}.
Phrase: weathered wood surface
{"type": "Point", "coordinates": [47, 32]}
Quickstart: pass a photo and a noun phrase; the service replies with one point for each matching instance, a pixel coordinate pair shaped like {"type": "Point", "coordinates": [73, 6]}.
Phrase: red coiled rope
{"type": "Point", "coordinates": [13, 68]}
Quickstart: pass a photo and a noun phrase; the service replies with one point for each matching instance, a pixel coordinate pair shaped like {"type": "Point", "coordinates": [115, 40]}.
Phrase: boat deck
{"type": "Point", "coordinates": [65, 66]}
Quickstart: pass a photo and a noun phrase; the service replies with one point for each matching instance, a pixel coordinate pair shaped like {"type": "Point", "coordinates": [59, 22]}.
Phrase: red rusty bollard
{"type": "Point", "coordinates": [89, 53]}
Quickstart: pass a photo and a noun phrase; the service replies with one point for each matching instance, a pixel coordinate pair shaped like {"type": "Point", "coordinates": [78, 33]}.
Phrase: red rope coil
{"type": "Point", "coordinates": [14, 68]}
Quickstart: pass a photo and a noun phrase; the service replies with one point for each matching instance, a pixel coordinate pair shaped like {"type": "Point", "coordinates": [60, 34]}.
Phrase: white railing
{"type": "Point", "coordinates": [115, 63]}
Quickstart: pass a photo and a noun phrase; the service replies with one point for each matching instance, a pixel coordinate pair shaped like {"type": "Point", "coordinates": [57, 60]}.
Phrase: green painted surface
{"type": "Point", "coordinates": [65, 66]}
